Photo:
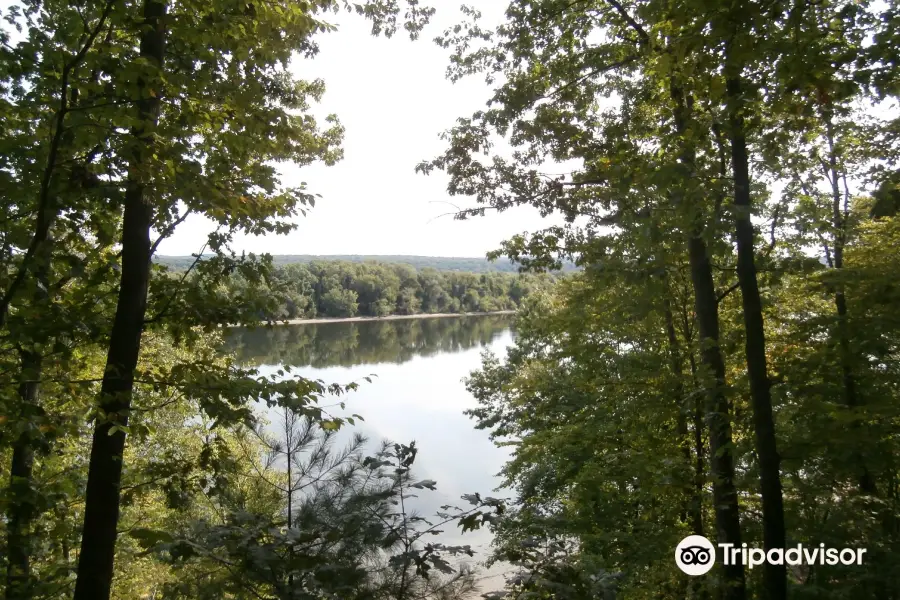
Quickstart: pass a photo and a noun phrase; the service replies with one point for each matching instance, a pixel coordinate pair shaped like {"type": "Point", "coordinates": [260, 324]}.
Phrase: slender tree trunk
{"type": "Point", "coordinates": [289, 428]}
{"type": "Point", "coordinates": [701, 592]}
{"type": "Point", "coordinates": [21, 509]}
{"type": "Point", "coordinates": [693, 501]}
{"type": "Point", "coordinates": [699, 447]}
{"type": "Point", "coordinates": [706, 307]}
{"type": "Point", "coordinates": [98, 541]}
{"type": "Point", "coordinates": [692, 511]}
{"type": "Point", "coordinates": [775, 576]}
{"type": "Point", "coordinates": [866, 482]}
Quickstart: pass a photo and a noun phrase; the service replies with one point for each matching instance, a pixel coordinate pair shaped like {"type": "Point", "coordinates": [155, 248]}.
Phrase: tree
{"type": "Point", "coordinates": [660, 114]}
{"type": "Point", "coordinates": [339, 526]}
{"type": "Point", "coordinates": [552, 85]}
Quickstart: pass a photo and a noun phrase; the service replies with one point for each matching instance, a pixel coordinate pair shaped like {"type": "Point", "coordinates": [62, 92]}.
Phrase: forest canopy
{"type": "Point", "coordinates": [371, 289]}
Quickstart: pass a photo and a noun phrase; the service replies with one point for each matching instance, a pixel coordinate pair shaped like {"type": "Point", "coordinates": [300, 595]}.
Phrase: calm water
{"type": "Point", "coordinates": [418, 393]}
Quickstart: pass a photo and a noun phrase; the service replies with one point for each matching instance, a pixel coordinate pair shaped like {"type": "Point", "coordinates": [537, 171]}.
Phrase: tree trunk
{"type": "Point", "coordinates": [289, 429]}
{"type": "Point", "coordinates": [692, 513]}
{"type": "Point", "coordinates": [692, 510]}
{"type": "Point", "coordinates": [725, 500]}
{"type": "Point", "coordinates": [21, 511]}
{"type": "Point", "coordinates": [706, 307]}
{"type": "Point", "coordinates": [699, 447]}
{"type": "Point", "coordinates": [701, 592]}
{"type": "Point", "coordinates": [838, 221]}
{"type": "Point", "coordinates": [98, 541]}
{"type": "Point", "coordinates": [775, 576]}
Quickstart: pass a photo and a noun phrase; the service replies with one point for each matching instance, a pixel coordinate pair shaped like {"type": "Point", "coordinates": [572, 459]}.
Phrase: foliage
{"type": "Point", "coordinates": [664, 135]}
{"type": "Point", "coordinates": [346, 289]}
{"type": "Point", "coordinates": [336, 527]}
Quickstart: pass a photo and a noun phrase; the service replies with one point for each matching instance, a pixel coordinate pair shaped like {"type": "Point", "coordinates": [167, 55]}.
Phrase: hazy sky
{"type": "Point", "coordinates": [393, 100]}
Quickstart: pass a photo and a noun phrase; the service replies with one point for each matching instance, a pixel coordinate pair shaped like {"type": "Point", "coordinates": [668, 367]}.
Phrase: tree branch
{"type": "Point", "coordinates": [642, 34]}
{"type": "Point", "coordinates": [162, 312]}
{"type": "Point", "coordinates": [169, 230]}
{"type": "Point", "coordinates": [44, 220]}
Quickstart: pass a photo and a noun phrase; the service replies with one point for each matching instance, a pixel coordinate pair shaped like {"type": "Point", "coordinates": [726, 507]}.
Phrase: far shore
{"type": "Point", "coordinates": [385, 318]}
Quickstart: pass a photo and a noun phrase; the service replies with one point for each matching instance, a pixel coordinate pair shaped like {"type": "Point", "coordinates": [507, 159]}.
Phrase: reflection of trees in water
{"type": "Point", "coordinates": [348, 344]}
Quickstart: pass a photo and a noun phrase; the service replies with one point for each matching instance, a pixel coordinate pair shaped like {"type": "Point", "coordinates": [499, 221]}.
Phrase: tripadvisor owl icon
{"type": "Point", "coordinates": [695, 555]}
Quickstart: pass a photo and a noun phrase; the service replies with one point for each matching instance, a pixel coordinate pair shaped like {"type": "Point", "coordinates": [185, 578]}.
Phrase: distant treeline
{"type": "Point", "coordinates": [348, 289]}
{"type": "Point", "coordinates": [440, 263]}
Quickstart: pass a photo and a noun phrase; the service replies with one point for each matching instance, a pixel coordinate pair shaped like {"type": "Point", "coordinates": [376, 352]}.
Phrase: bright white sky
{"type": "Point", "coordinates": [393, 100]}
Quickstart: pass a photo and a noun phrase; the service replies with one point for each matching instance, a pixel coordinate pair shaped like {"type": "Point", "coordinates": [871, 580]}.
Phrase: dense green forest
{"type": "Point", "coordinates": [724, 363]}
{"type": "Point", "coordinates": [371, 289]}
{"type": "Point", "coordinates": [440, 263]}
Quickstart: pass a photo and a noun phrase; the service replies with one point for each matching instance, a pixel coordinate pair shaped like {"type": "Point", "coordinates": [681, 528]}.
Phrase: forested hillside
{"type": "Point", "coordinates": [724, 363]}
{"type": "Point", "coordinates": [346, 289]}
{"type": "Point", "coordinates": [440, 263]}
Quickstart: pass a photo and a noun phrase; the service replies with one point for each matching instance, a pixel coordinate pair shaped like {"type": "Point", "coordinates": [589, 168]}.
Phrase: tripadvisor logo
{"type": "Point", "coordinates": [696, 555]}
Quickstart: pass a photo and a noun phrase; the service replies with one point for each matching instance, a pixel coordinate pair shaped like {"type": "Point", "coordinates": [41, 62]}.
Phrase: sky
{"type": "Point", "coordinates": [392, 97]}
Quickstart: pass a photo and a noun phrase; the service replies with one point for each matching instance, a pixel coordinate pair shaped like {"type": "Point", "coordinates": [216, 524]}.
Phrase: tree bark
{"type": "Point", "coordinates": [697, 426]}
{"type": "Point", "coordinates": [21, 511]}
{"type": "Point", "coordinates": [98, 541]}
{"type": "Point", "coordinates": [775, 576]}
{"type": "Point", "coordinates": [700, 591]}
{"type": "Point", "coordinates": [725, 500]}
{"type": "Point", "coordinates": [706, 308]}
{"type": "Point", "coordinates": [866, 481]}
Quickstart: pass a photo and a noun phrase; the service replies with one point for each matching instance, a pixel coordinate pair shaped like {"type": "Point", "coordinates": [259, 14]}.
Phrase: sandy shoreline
{"type": "Point", "coordinates": [385, 318]}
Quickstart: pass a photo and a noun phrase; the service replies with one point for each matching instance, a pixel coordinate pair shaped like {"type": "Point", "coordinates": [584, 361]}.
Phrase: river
{"type": "Point", "coordinates": [417, 394]}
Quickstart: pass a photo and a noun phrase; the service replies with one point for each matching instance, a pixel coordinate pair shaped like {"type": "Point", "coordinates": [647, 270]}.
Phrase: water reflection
{"type": "Point", "coordinates": [418, 394]}
{"type": "Point", "coordinates": [367, 342]}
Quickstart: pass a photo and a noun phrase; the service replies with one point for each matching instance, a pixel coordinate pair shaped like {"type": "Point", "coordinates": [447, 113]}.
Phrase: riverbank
{"type": "Point", "coordinates": [321, 320]}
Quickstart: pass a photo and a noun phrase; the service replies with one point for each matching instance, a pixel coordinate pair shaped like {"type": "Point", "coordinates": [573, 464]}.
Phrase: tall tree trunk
{"type": "Point", "coordinates": [21, 510]}
{"type": "Point", "coordinates": [706, 307]}
{"type": "Point", "coordinates": [725, 500]}
{"type": "Point", "coordinates": [692, 513]}
{"type": "Point", "coordinates": [775, 576]}
{"type": "Point", "coordinates": [701, 592]}
{"type": "Point", "coordinates": [101, 516]}
{"type": "Point", "coordinates": [699, 447]}
{"type": "Point", "coordinates": [866, 481]}
{"type": "Point", "coordinates": [692, 510]}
